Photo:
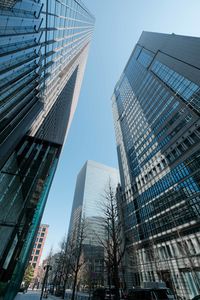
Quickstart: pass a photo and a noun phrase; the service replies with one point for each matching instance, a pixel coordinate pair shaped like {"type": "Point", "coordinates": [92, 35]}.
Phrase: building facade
{"type": "Point", "coordinates": [89, 198]}
{"type": "Point", "coordinates": [38, 247]}
{"type": "Point", "coordinates": [156, 108]}
{"type": "Point", "coordinates": [43, 52]}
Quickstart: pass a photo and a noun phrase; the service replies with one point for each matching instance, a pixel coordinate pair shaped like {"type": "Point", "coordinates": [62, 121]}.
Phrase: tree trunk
{"type": "Point", "coordinates": [74, 286]}
{"type": "Point", "coordinates": [116, 281]}
{"type": "Point", "coordinates": [64, 287]}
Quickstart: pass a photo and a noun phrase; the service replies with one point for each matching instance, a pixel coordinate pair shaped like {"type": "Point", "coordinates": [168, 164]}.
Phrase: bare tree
{"type": "Point", "coordinates": [114, 247]}
{"type": "Point", "coordinates": [59, 272]}
{"type": "Point", "coordinates": [65, 265]}
{"type": "Point", "coordinates": [75, 248]}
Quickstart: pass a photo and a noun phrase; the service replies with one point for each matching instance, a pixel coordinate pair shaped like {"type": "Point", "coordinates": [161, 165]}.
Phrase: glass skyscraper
{"type": "Point", "coordinates": [156, 108]}
{"type": "Point", "coordinates": [43, 52]}
{"type": "Point", "coordinates": [88, 204]}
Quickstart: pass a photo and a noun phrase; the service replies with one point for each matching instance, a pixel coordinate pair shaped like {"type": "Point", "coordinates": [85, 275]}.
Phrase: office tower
{"type": "Point", "coordinates": [156, 108]}
{"type": "Point", "coordinates": [91, 184]}
{"type": "Point", "coordinates": [43, 52]}
{"type": "Point", "coordinates": [38, 247]}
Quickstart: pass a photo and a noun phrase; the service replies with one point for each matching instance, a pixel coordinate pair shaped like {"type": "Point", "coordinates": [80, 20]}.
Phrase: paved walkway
{"type": "Point", "coordinates": [35, 295]}
{"type": "Point", "coordinates": [32, 295]}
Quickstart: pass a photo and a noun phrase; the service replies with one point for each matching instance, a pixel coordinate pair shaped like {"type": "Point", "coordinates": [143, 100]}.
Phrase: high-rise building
{"type": "Point", "coordinates": [43, 52]}
{"type": "Point", "coordinates": [38, 247]}
{"type": "Point", "coordinates": [156, 108]}
{"type": "Point", "coordinates": [89, 197]}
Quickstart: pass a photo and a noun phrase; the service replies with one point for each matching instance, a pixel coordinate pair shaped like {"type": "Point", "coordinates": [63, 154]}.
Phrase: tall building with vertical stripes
{"type": "Point", "coordinates": [43, 52]}
{"type": "Point", "coordinates": [156, 108]}
{"type": "Point", "coordinates": [88, 208]}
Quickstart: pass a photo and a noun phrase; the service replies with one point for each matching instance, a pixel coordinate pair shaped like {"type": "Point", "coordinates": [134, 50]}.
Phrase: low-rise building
{"type": "Point", "coordinates": [38, 247]}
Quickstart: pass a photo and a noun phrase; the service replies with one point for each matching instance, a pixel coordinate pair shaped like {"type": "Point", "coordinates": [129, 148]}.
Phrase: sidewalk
{"type": "Point", "coordinates": [35, 295]}
{"type": "Point", "coordinates": [32, 295]}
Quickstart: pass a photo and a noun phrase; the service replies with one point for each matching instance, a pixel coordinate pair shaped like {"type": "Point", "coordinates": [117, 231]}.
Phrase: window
{"type": "Point", "coordinates": [137, 50]}
{"type": "Point", "coordinates": [191, 247]}
{"type": "Point", "coordinates": [180, 248]}
{"type": "Point", "coordinates": [159, 167]}
{"type": "Point", "coordinates": [168, 251]}
{"type": "Point", "coordinates": [35, 258]}
{"type": "Point", "coordinates": [188, 90]}
{"type": "Point", "coordinates": [154, 171]}
{"type": "Point", "coordinates": [164, 163]}
{"type": "Point", "coordinates": [145, 58]}
{"type": "Point", "coordinates": [39, 245]}
{"type": "Point", "coordinates": [37, 252]}
{"type": "Point", "coordinates": [175, 153]}
{"type": "Point", "coordinates": [187, 143]}
{"type": "Point", "coordinates": [194, 137]}
{"type": "Point", "coordinates": [181, 148]}
{"type": "Point", "coordinates": [169, 158]}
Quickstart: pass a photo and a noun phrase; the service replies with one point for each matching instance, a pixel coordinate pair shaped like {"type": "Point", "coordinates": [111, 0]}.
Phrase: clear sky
{"type": "Point", "coordinates": [119, 24]}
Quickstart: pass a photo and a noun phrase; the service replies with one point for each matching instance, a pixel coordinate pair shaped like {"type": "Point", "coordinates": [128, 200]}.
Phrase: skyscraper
{"type": "Point", "coordinates": [43, 52]}
{"type": "Point", "coordinates": [92, 182]}
{"type": "Point", "coordinates": [156, 108]}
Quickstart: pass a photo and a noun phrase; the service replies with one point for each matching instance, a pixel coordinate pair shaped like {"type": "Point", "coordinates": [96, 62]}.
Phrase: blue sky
{"type": "Point", "coordinates": [119, 24]}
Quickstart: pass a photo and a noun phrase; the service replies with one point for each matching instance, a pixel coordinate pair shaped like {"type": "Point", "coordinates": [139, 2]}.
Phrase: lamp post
{"type": "Point", "coordinates": [47, 268]}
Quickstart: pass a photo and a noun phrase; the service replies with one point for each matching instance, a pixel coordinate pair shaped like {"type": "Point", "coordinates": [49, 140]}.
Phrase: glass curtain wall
{"type": "Point", "coordinates": [25, 182]}
{"type": "Point", "coordinates": [156, 111]}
